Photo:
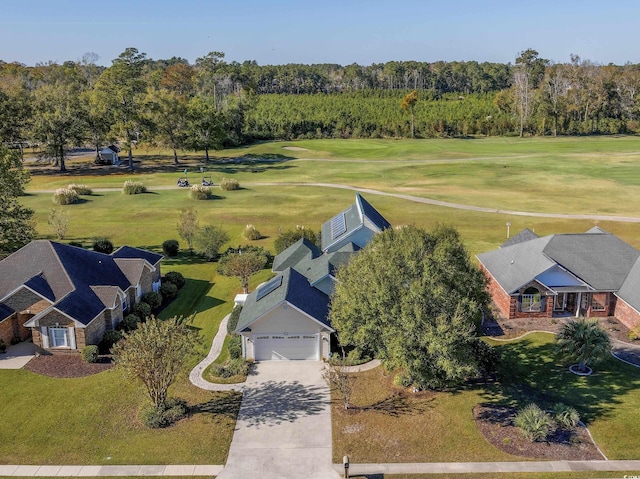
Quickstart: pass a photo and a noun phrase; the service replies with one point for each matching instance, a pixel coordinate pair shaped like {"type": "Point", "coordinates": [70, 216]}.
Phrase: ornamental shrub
{"type": "Point", "coordinates": [231, 367]}
{"type": "Point", "coordinates": [110, 337]}
{"type": "Point", "coordinates": [168, 291]}
{"type": "Point", "coordinates": [133, 188]}
{"type": "Point", "coordinates": [566, 416]}
{"type": "Point", "coordinates": [102, 245]}
{"type": "Point", "coordinates": [176, 278]}
{"type": "Point", "coordinates": [130, 322]}
{"type": "Point", "coordinates": [82, 190]}
{"type": "Point", "coordinates": [232, 324]}
{"type": "Point", "coordinates": [65, 196]}
{"type": "Point", "coordinates": [534, 423]}
{"type": "Point", "coordinates": [171, 248]}
{"type": "Point", "coordinates": [158, 417]}
{"type": "Point", "coordinates": [153, 299]}
{"type": "Point", "coordinates": [142, 310]}
{"type": "Point", "coordinates": [235, 347]}
{"type": "Point", "coordinates": [200, 192]}
{"type": "Point", "coordinates": [229, 184]}
{"type": "Point", "coordinates": [90, 354]}
{"type": "Point", "coordinates": [251, 233]}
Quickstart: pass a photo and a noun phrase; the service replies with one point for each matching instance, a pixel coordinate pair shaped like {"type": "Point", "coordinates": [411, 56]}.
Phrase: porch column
{"type": "Point", "coordinates": [579, 304]}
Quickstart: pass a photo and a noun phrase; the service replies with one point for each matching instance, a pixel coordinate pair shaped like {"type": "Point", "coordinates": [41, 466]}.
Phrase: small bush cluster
{"type": "Point", "coordinates": [232, 324]}
{"type": "Point", "coordinates": [102, 245]}
{"type": "Point", "coordinates": [90, 354]}
{"type": "Point", "coordinates": [130, 322]}
{"type": "Point", "coordinates": [65, 196]}
{"type": "Point", "coordinates": [168, 291]}
{"type": "Point", "coordinates": [634, 333]}
{"type": "Point", "coordinates": [229, 184]}
{"type": "Point", "coordinates": [142, 310]}
{"type": "Point", "coordinates": [537, 425]}
{"type": "Point", "coordinates": [110, 337]}
{"type": "Point", "coordinates": [133, 188]}
{"type": "Point", "coordinates": [251, 233]}
{"type": "Point", "coordinates": [200, 192]}
{"type": "Point", "coordinates": [155, 417]}
{"type": "Point", "coordinates": [82, 190]}
{"type": "Point", "coordinates": [175, 278]}
{"type": "Point", "coordinates": [235, 347]}
{"type": "Point", "coordinates": [171, 248]}
{"type": "Point", "coordinates": [153, 299]}
{"type": "Point", "coordinates": [231, 367]}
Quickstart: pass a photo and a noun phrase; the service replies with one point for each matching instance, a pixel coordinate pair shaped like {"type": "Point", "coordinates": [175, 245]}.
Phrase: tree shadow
{"type": "Point", "coordinates": [531, 372]}
{"type": "Point", "coordinates": [397, 405]}
{"type": "Point", "coordinates": [225, 404]}
{"type": "Point", "coordinates": [277, 402]}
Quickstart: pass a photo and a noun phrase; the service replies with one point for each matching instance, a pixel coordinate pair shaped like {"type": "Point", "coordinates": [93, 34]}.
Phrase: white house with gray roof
{"type": "Point", "coordinates": [287, 318]}
{"type": "Point", "coordinates": [593, 274]}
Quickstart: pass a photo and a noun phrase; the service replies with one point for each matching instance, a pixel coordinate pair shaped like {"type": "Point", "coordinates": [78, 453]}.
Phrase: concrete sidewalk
{"type": "Point", "coordinates": [17, 355]}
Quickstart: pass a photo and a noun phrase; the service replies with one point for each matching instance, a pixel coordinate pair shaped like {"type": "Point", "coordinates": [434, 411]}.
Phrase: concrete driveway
{"type": "Point", "coordinates": [17, 356]}
{"type": "Point", "coordinates": [284, 425]}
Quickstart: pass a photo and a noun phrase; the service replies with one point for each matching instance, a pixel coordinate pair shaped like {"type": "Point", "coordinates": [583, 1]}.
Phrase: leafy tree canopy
{"type": "Point", "coordinates": [413, 299]}
{"type": "Point", "coordinates": [287, 238]}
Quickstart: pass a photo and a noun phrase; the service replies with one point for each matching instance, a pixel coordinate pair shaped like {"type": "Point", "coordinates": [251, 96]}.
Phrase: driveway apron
{"type": "Point", "coordinates": [284, 424]}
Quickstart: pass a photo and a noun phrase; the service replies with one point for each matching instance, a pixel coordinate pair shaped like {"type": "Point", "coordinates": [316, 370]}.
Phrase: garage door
{"type": "Point", "coordinates": [294, 346]}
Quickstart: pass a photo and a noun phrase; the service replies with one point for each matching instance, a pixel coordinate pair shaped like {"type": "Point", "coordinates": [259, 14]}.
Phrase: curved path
{"type": "Point", "coordinates": [415, 199]}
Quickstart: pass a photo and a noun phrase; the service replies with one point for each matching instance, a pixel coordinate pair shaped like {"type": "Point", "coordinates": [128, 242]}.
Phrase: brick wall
{"type": "Point", "coordinates": [6, 329]}
{"type": "Point", "coordinates": [499, 296]}
{"type": "Point", "coordinates": [95, 330]}
{"type": "Point", "coordinates": [627, 315]}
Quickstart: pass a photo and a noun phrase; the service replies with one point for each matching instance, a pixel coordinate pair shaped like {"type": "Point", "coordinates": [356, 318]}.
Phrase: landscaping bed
{"type": "Point", "coordinates": [495, 423]}
{"type": "Point", "coordinates": [67, 365]}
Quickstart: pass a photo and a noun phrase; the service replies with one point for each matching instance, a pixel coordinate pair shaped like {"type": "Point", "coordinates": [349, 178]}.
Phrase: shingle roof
{"type": "Point", "coordinates": [66, 274]}
{"type": "Point", "coordinates": [294, 289]}
{"type": "Point", "coordinates": [524, 235]}
{"type": "Point", "coordinates": [303, 249]}
{"type": "Point", "coordinates": [600, 259]}
{"type": "Point", "coordinates": [131, 252]}
{"type": "Point", "coordinates": [630, 289]}
{"type": "Point", "coordinates": [349, 220]}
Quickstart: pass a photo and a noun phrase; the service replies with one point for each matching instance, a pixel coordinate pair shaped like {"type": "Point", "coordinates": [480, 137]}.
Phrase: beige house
{"type": "Point", "coordinates": [66, 297]}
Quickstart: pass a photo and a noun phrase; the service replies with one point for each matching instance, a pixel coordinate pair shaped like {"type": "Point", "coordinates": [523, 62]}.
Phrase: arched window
{"type": "Point", "coordinates": [530, 300]}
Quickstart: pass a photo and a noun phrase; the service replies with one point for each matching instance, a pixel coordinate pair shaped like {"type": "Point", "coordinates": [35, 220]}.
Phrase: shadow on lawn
{"type": "Point", "coordinates": [396, 405]}
{"type": "Point", "coordinates": [277, 402]}
{"type": "Point", "coordinates": [531, 372]}
{"type": "Point", "coordinates": [227, 404]}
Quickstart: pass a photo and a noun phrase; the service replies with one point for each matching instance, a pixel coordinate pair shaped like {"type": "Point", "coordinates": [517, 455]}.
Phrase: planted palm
{"type": "Point", "coordinates": [583, 341]}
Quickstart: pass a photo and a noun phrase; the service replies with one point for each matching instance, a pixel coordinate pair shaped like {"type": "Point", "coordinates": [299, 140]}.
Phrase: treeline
{"type": "Point", "coordinates": [212, 103]}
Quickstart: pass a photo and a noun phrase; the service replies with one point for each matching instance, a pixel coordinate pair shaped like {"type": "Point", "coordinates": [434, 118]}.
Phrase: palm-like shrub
{"type": "Point", "coordinates": [566, 416]}
{"type": "Point", "coordinates": [583, 341]}
{"type": "Point", "coordinates": [534, 423]}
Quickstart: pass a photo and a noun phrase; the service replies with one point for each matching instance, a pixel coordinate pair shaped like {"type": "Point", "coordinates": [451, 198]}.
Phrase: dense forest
{"type": "Point", "coordinates": [213, 103]}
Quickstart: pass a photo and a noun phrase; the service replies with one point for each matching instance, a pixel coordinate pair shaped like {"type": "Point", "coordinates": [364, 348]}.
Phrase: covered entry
{"type": "Point", "coordinates": [290, 347]}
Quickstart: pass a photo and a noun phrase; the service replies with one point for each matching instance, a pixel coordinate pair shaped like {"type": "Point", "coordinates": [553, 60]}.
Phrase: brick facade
{"type": "Point", "coordinates": [499, 296]}
{"type": "Point", "coordinates": [627, 315]}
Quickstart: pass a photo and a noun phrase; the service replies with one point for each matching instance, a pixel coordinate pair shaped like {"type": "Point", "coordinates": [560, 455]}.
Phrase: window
{"type": "Point", "coordinates": [156, 286]}
{"type": "Point", "coordinates": [58, 337]}
{"type": "Point", "coordinates": [599, 302]}
{"type": "Point", "coordinates": [138, 291]}
{"type": "Point", "coordinates": [530, 300]}
{"type": "Point", "coordinates": [124, 302]}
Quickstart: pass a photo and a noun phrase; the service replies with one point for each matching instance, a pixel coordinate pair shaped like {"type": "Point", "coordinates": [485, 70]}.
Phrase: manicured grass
{"type": "Point", "coordinates": [389, 425]}
{"type": "Point", "coordinates": [511, 475]}
{"type": "Point", "coordinates": [608, 401]}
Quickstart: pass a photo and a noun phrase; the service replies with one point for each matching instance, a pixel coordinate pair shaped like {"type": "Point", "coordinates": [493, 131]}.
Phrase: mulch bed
{"type": "Point", "coordinates": [495, 423]}
{"type": "Point", "coordinates": [67, 365]}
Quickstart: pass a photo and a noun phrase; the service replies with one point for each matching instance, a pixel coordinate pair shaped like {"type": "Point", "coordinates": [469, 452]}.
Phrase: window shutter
{"type": "Point", "coordinates": [543, 303]}
{"type": "Point", "coordinates": [45, 337]}
{"type": "Point", "coordinates": [520, 303]}
{"type": "Point", "coordinates": [71, 333]}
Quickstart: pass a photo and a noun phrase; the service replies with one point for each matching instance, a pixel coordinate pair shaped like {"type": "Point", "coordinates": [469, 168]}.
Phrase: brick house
{"type": "Point", "coordinates": [593, 274]}
{"type": "Point", "coordinates": [66, 297]}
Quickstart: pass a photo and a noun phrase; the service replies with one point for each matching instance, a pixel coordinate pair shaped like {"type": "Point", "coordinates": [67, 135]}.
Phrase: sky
{"type": "Point", "coordinates": [329, 31]}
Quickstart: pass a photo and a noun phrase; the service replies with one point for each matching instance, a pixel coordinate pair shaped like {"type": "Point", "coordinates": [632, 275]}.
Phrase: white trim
{"type": "Point", "coordinates": [345, 235]}
{"type": "Point", "coordinates": [32, 323]}
{"type": "Point", "coordinates": [29, 289]}
{"type": "Point", "coordinates": [71, 335]}
{"type": "Point", "coordinates": [625, 302]}
{"type": "Point", "coordinates": [329, 328]}
{"type": "Point", "coordinates": [45, 337]}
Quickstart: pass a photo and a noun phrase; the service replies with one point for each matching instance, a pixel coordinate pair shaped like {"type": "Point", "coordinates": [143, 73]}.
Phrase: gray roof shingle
{"type": "Point", "coordinates": [524, 235]}
{"type": "Point", "coordinates": [630, 289]}
{"type": "Point", "coordinates": [303, 249]}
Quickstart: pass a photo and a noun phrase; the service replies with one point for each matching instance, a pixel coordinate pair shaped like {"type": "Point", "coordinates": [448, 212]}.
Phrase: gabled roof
{"type": "Point", "coordinates": [132, 268]}
{"type": "Point", "coordinates": [524, 235]}
{"type": "Point", "coordinates": [107, 294]}
{"type": "Point", "coordinates": [68, 276]}
{"type": "Point", "coordinates": [316, 269]}
{"type": "Point", "coordinates": [303, 249]}
{"type": "Point", "coordinates": [350, 220]}
{"type": "Point", "coordinates": [131, 252]}
{"type": "Point", "coordinates": [630, 289]}
{"type": "Point", "coordinates": [291, 287]}
{"type": "Point", "coordinates": [599, 259]}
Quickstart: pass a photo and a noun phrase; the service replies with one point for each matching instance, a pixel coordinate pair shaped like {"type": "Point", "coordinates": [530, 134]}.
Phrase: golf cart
{"type": "Point", "coordinates": [207, 181]}
{"type": "Point", "coordinates": [183, 182]}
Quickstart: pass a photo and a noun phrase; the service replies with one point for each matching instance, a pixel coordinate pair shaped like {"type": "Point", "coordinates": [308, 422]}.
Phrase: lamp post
{"type": "Point", "coordinates": [508, 227]}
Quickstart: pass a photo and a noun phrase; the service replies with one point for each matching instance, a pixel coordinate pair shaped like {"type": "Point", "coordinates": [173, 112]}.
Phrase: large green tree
{"type": "Point", "coordinates": [168, 113]}
{"type": "Point", "coordinates": [209, 239]}
{"type": "Point", "coordinates": [205, 125]}
{"type": "Point", "coordinates": [243, 265]}
{"type": "Point", "coordinates": [413, 299]}
{"type": "Point", "coordinates": [16, 222]}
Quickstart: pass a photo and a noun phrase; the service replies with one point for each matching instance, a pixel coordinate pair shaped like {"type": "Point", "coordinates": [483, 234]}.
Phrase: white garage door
{"type": "Point", "coordinates": [295, 346]}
